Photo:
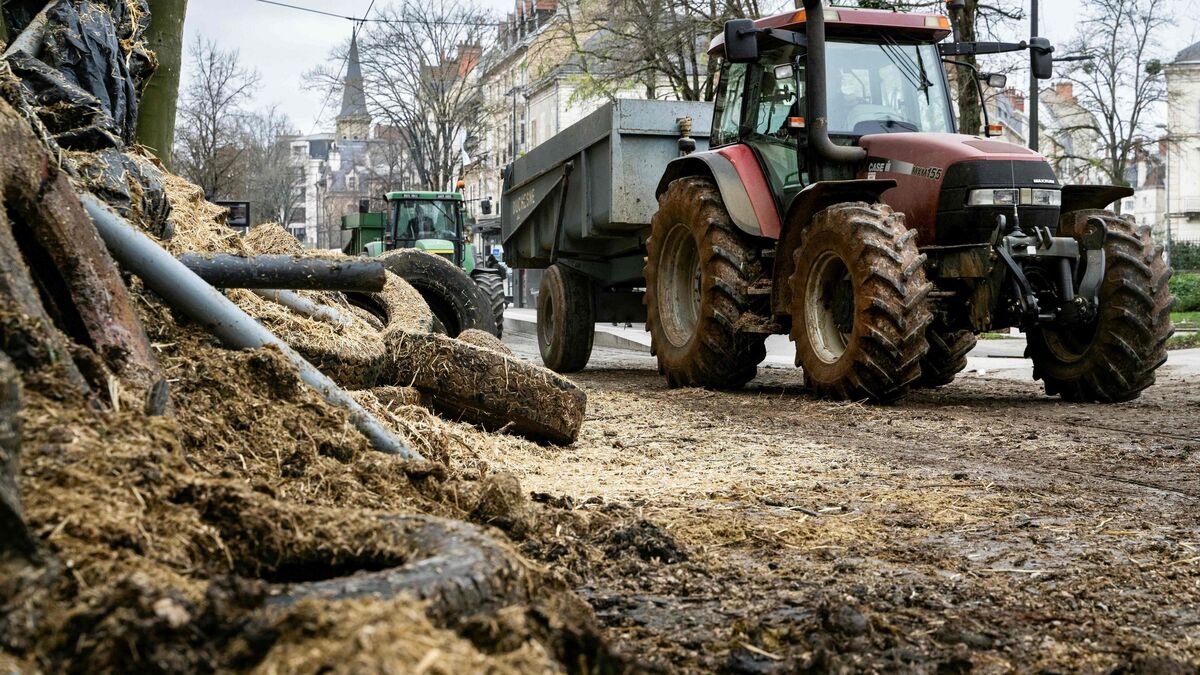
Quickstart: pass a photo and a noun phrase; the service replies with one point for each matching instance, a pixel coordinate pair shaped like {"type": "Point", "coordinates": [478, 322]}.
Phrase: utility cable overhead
{"type": "Point", "coordinates": [366, 19]}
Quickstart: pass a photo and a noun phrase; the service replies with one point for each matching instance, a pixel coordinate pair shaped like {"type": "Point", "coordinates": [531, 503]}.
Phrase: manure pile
{"type": "Point", "coordinates": [169, 505]}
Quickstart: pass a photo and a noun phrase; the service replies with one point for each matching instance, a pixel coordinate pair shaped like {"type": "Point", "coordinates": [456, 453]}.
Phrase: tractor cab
{"type": "Point", "coordinates": [429, 221]}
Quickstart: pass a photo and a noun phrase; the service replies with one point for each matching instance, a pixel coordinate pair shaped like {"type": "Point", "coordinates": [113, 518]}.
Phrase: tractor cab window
{"type": "Point", "coordinates": [776, 93]}
{"type": "Point", "coordinates": [886, 88]}
{"type": "Point", "coordinates": [423, 219]}
{"type": "Point", "coordinates": [727, 109]}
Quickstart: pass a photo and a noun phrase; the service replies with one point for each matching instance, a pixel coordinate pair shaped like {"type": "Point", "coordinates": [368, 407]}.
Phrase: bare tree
{"type": "Point", "coordinates": [976, 18]}
{"type": "Point", "coordinates": [416, 60]}
{"type": "Point", "coordinates": [657, 45]}
{"type": "Point", "coordinates": [1123, 82]}
{"type": "Point", "coordinates": [208, 151]}
{"type": "Point", "coordinates": [272, 181]}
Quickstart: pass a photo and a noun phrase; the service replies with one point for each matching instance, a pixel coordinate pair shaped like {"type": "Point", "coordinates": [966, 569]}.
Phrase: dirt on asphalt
{"type": "Point", "coordinates": [981, 527]}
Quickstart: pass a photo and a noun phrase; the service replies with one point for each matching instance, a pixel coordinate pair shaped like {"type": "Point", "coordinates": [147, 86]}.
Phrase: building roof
{"type": "Point", "coordinates": [1189, 55]}
{"type": "Point", "coordinates": [354, 100]}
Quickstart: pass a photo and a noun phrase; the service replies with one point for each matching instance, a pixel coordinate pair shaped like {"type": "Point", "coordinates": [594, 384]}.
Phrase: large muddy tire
{"type": "Point", "coordinates": [946, 358]}
{"type": "Point", "coordinates": [491, 286]}
{"type": "Point", "coordinates": [1113, 359]}
{"type": "Point", "coordinates": [487, 388]}
{"type": "Point", "coordinates": [452, 296]}
{"type": "Point", "coordinates": [699, 268]}
{"type": "Point", "coordinates": [566, 319]}
{"type": "Point", "coordinates": [859, 304]}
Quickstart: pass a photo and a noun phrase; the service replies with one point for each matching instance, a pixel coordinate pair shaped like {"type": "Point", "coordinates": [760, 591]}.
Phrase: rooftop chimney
{"type": "Point", "coordinates": [1065, 90]}
{"type": "Point", "coordinates": [1016, 98]}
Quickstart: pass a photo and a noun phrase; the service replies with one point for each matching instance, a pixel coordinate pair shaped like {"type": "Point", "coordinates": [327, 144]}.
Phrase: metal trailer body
{"type": "Point", "coordinates": [584, 198]}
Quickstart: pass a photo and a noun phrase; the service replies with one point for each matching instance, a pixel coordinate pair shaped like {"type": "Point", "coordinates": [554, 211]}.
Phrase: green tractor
{"type": "Point", "coordinates": [464, 287]}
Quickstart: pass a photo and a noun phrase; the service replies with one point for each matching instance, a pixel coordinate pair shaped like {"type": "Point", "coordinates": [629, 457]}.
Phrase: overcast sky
{"type": "Point", "coordinates": [281, 44]}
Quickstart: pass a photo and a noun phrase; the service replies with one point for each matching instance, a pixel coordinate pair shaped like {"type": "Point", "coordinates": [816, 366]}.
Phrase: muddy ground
{"type": "Point", "coordinates": [982, 526]}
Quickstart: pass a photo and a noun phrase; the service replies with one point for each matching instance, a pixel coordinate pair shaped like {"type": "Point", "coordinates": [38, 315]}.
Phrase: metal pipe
{"type": "Point", "coordinates": [284, 271]}
{"type": "Point", "coordinates": [302, 305]}
{"type": "Point", "coordinates": [30, 39]}
{"type": "Point", "coordinates": [1034, 101]}
{"type": "Point", "coordinates": [818, 113]}
{"type": "Point", "coordinates": [190, 294]}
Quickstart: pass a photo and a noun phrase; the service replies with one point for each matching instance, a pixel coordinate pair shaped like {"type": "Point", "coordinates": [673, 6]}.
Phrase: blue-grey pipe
{"type": "Point", "coordinates": [193, 296]}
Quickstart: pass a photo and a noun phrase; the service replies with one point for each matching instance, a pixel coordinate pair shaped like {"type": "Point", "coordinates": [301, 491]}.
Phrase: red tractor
{"type": "Point", "coordinates": [838, 204]}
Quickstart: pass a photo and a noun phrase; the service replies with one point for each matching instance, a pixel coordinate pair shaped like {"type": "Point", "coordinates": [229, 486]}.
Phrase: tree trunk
{"type": "Point", "coordinates": [970, 108]}
{"type": "Point", "coordinates": [156, 119]}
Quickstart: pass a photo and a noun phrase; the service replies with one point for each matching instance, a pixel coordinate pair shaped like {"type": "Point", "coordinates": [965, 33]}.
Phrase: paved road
{"type": "Point", "coordinates": [1001, 358]}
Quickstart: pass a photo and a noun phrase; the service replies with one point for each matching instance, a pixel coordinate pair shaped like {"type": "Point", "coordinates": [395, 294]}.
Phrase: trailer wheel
{"type": "Point", "coordinates": [452, 296]}
{"type": "Point", "coordinates": [698, 270]}
{"type": "Point", "coordinates": [566, 319]}
{"type": "Point", "coordinates": [859, 304]}
{"type": "Point", "coordinates": [1114, 359]}
{"type": "Point", "coordinates": [946, 358]}
{"type": "Point", "coordinates": [491, 285]}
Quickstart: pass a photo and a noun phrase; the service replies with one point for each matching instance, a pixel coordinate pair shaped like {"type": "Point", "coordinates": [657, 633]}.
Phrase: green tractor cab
{"type": "Point", "coordinates": [432, 222]}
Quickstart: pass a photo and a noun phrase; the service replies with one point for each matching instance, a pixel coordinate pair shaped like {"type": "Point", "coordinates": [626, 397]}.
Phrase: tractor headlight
{"type": "Point", "coordinates": [1015, 196]}
{"type": "Point", "coordinates": [1046, 198]}
{"type": "Point", "coordinates": [1002, 197]}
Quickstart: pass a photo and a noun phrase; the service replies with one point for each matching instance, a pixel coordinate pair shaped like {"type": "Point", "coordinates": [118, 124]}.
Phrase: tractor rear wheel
{"type": "Point", "coordinates": [946, 358]}
{"type": "Point", "coordinates": [491, 285]}
{"type": "Point", "coordinates": [454, 299]}
{"type": "Point", "coordinates": [566, 319]}
{"type": "Point", "coordinates": [698, 270]}
{"type": "Point", "coordinates": [859, 304]}
{"type": "Point", "coordinates": [1113, 359]}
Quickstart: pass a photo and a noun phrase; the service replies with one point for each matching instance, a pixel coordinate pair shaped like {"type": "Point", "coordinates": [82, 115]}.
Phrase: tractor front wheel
{"type": "Point", "coordinates": [698, 271]}
{"type": "Point", "coordinates": [859, 304]}
{"type": "Point", "coordinates": [946, 358]}
{"type": "Point", "coordinates": [1114, 358]}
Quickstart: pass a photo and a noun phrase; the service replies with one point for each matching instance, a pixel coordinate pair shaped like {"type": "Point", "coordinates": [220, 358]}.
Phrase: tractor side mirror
{"type": "Point", "coordinates": [485, 206]}
{"type": "Point", "coordinates": [741, 41]}
{"type": "Point", "coordinates": [1041, 57]}
{"type": "Point", "coordinates": [994, 80]}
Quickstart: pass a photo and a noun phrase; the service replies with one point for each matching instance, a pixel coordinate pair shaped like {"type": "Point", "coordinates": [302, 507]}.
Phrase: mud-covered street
{"type": "Point", "coordinates": [982, 525]}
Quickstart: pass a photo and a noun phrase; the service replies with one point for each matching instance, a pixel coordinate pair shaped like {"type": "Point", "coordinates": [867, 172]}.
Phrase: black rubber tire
{"type": "Point", "coordinates": [484, 339]}
{"type": "Point", "coordinates": [1131, 331]}
{"type": "Point", "coordinates": [566, 319]}
{"type": "Point", "coordinates": [491, 285]}
{"type": "Point", "coordinates": [450, 293]}
{"type": "Point", "coordinates": [693, 325]}
{"type": "Point", "coordinates": [946, 358]}
{"type": "Point", "coordinates": [487, 388]}
{"type": "Point", "coordinates": [455, 567]}
{"type": "Point", "coordinates": [867, 249]}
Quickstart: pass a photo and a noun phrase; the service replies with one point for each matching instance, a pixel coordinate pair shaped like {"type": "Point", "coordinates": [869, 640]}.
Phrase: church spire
{"type": "Point", "coordinates": [354, 120]}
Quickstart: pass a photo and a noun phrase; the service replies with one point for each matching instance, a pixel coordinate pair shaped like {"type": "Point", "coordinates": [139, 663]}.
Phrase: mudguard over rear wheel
{"type": "Point", "coordinates": [1113, 359]}
{"type": "Point", "coordinates": [859, 304]}
{"type": "Point", "coordinates": [698, 270]}
{"type": "Point", "coordinates": [566, 319]}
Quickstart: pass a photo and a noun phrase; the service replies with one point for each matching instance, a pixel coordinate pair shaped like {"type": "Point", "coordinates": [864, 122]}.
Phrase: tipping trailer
{"type": "Point", "coordinates": [580, 205]}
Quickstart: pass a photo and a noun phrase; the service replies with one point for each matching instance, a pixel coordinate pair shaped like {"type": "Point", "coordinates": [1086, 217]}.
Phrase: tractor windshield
{"type": "Point", "coordinates": [886, 88]}
{"type": "Point", "coordinates": [418, 219]}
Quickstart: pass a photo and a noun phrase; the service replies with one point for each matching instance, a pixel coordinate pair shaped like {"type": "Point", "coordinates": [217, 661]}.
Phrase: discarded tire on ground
{"type": "Point", "coordinates": [1117, 358]}
{"type": "Point", "coordinates": [453, 297]}
{"type": "Point", "coordinates": [485, 340]}
{"type": "Point", "coordinates": [566, 319]}
{"type": "Point", "coordinates": [397, 307]}
{"type": "Point", "coordinates": [859, 304]}
{"type": "Point", "coordinates": [491, 286]}
{"type": "Point", "coordinates": [478, 385]}
{"type": "Point", "coordinates": [454, 566]}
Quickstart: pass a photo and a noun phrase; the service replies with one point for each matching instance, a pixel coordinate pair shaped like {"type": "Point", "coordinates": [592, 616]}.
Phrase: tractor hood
{"type": "Point", "coordinates": [927, 165]}
{"type": "Point", "coordinates": [435, 245]}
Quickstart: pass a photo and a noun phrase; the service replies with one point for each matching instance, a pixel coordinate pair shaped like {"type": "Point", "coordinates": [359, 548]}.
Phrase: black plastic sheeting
{"type": "Point", "coordinates": [82, 81]}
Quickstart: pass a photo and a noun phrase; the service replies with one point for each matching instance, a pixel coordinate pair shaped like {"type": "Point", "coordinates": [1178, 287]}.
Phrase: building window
{"type": "Point", "coordinates": [351, 182]}
{"type": "Point", "coordinates": [299, 215]}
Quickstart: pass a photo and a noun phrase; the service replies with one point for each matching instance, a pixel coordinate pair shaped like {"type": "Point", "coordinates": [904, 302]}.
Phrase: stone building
{"type": "Point", "coordinates": [1183, 145]}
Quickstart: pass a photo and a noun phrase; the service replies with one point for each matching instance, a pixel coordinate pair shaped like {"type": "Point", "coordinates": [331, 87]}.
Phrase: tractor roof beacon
{"type": "Point", "coordinates": [837, 203]}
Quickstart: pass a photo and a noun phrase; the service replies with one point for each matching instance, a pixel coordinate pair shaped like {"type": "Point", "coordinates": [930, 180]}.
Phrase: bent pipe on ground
{"type": "Point", "coordinates": [302, 305]}
{"type": "Point", "coordinates": [284, 271]}
{"type": "Point", "coordinates": [190, 294]}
